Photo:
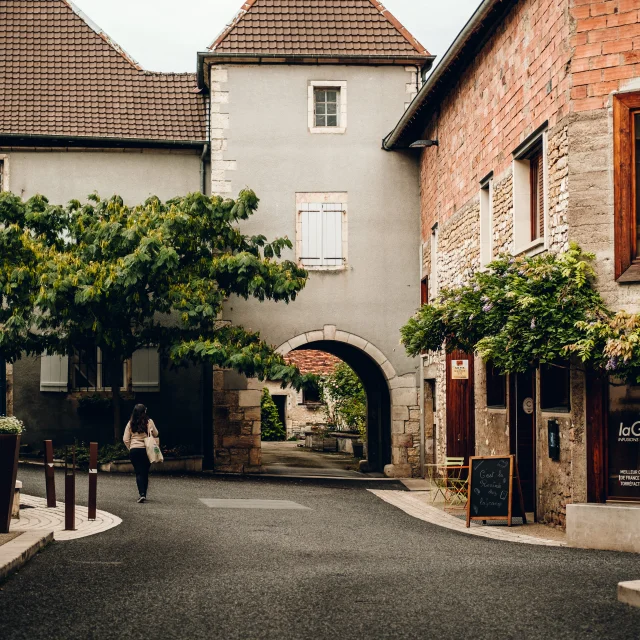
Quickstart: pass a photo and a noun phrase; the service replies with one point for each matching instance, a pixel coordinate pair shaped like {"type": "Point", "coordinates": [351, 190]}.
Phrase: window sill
{"type": "Point", "coordinates": [342, 267]}
{"type": "Point", "coordinates": [631, 275]}
{"type": "Point", "coordinates": [556, 411]}
{"type": "Point", "coordinates": [532, 249]}
{"type": "Point", "coordinates": [338, 130]}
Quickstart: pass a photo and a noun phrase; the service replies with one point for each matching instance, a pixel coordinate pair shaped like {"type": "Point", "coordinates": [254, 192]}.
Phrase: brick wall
{"type": "Point", "coordinates": [607, 50]}
{"type": "Point", "coordinates": [520, 79]}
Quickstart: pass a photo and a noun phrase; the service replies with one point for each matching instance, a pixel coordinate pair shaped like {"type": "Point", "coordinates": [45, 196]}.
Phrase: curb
{"type": "Point", "coordinates": [629, 593]}
{"type": "Point", "coordinates": [16, 553]}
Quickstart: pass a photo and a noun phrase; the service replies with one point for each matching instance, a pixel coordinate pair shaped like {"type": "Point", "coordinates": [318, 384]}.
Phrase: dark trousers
{"type": "Point", "coordinates": [141, 465]}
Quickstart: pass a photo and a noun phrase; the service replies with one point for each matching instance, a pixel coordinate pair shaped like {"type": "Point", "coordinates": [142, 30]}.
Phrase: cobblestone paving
{"type": "Point", "coordinates": [37, 517]}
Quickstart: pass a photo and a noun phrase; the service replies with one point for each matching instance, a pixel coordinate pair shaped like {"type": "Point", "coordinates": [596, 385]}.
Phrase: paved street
{"type": "Point", "coordinates": [347, 566]}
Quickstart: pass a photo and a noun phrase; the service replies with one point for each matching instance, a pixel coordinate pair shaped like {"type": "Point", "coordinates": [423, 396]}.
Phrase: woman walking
{"type": "Point", "coordinates": [139, 427]}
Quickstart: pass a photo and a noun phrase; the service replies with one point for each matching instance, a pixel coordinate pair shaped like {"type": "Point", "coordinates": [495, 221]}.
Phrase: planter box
{"type": "Point", "coordinates": [9, 450]}
{"type": "Point", "coordinates": [186, 464]}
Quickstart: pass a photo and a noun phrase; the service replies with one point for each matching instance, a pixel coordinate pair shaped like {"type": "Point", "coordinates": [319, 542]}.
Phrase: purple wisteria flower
{"type": "Point", "coordinates": [612, 365]}
{"type": "Point", "coordinates": [487, 307]}
{"type": "Point", "coordinates": [533, 323]}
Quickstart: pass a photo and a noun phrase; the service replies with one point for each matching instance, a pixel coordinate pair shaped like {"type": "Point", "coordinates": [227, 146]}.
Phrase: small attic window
{"type": "Point", "coordinates": [327, 107]}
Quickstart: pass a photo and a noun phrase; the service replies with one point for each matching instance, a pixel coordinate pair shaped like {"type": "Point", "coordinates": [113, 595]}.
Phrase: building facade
{"type": "Point", "coordinates": [300, 97]}
{"type": "Point", "coordinates": [80, 116]}
{"type": "Point", "coordinates": [534, 108]}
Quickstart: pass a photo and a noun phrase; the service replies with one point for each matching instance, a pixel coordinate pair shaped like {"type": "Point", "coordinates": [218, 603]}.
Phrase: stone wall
{"type": "Point", "coordinates": [236, 423]}
{"type": "Point", "coordinates": [299, 417]}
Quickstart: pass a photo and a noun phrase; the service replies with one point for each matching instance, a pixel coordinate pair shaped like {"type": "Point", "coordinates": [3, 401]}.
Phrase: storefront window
{"type": "Point", "coordinates": [624, 442]}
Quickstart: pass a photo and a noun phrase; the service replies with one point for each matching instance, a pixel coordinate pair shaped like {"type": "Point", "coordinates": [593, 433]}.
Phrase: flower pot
{"type": "Point", "coordinates": [9, 449]}
{"type": "Point", "coordinates": [358, 449]}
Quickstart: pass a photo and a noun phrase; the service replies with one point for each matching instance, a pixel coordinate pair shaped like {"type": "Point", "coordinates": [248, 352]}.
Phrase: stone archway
{"type": "Point", "coordinates": [393, 420]}
{"type": "Point", "coordinates": [393, 410]}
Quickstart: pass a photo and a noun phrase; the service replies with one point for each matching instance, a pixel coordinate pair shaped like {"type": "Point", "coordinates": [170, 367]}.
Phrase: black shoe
{"type": "Point", "coordinates": [142, 499]}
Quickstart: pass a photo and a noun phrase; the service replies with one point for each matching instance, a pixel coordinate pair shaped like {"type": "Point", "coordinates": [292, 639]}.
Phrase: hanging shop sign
{"type": "Point", "coordinates": [459, 369]}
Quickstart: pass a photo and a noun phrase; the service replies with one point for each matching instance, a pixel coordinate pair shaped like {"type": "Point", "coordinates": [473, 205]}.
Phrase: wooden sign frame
{"type": "Point", "coordinates": [513, 474]}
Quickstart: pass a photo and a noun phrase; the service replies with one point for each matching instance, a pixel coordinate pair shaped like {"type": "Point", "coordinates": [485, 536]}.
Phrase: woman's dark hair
{"type": "Point", "coordinates": [139, 419]}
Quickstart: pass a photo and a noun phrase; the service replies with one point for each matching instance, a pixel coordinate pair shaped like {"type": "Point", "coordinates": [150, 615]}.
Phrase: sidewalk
{"type": "Point", "coordinates": [417, 503]}
{"type": "Point", "coordinates": [36, 517]}
{"type": "Point", "coordinates": [17, 548]}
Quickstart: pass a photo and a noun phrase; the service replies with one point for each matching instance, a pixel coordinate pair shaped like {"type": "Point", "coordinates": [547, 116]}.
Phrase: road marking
{"type": "Point", "coordinates": [218, 503]}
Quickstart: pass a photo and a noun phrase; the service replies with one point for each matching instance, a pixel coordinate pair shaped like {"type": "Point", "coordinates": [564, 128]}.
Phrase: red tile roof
{"type": "Point", "coordinates": [60, 75]}
{"type": "Point", "coordinates": [317, 27]}
{"type": "Point", "coordinates": [309, 361]}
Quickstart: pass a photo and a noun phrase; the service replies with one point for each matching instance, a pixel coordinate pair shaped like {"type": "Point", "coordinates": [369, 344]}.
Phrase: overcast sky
{"type": "Point", "coordinates": [164, 35]}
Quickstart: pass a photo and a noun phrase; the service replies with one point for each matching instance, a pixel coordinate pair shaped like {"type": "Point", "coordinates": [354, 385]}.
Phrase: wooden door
{"type": "Point", "coordinates": [461, 440]}
{"type": "Point", "coordinates": [596, 400]}
{"type": "Point", "coordinates": [522, 421]}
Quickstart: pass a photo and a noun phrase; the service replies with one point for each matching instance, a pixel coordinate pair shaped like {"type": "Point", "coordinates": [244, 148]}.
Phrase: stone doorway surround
{"type": "Point", "coordinates": [405, 410]}
{"type": "Point", "coordinates": [237, 443]}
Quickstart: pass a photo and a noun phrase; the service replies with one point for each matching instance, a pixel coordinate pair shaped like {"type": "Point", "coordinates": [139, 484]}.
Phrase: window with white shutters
{"type": "Point", "coordinates": [145, 370]}
{"type": "Point", "coordinates": [54, 373]}
{"type": "Point", "coordinates": [321, 229]}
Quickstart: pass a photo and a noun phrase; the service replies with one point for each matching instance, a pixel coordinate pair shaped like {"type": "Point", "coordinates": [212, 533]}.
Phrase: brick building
{"type": "Point", "coordinates": [534, 108]}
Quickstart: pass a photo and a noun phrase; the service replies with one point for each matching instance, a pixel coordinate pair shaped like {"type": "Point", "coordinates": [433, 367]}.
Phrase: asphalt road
{"type": "Point", "coordinates": [349, 566]}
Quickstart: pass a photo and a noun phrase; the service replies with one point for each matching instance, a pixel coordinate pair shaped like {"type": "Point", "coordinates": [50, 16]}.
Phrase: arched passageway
{"type": "Point", "coordinates": [378, 398]}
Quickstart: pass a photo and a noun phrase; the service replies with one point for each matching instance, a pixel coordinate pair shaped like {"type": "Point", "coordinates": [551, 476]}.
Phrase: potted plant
{"type": "Point", "coordinates": [10, 430]}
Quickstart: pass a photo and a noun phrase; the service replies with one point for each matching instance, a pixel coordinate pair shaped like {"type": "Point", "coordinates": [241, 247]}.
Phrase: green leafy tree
{"type": "Point", "coordinates": [118, 277]}
{"type": "Point", "coordinates": [518, 313]}
{"type": "Point", "coordinates": [272, 427]}
{"type": "Point", "coordinates": [346, 399]}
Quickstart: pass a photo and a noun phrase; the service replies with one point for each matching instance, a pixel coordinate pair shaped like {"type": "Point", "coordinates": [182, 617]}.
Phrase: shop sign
{"type": "Point", "coordinates": [624, 441]}
{"type": "Point", "coordinates": [459, 369]}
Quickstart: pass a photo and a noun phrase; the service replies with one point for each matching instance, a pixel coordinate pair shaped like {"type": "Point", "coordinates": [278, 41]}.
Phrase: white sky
{"type": "Point", "coordinates": [164, 35]}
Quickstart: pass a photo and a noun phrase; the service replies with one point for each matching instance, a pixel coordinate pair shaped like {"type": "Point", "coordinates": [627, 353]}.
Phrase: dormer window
{"type": "Point", "coordinates": [327, 107]}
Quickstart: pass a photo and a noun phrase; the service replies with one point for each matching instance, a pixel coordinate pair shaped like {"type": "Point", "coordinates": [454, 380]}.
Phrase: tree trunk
{"type": "Point", "coordinates": [116, 369]}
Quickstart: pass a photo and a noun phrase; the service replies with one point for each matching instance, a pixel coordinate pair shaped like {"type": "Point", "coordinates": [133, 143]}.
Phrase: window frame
{"type": "Point", "coordinates": [493, 376]}
{"type": "Point", "coordinates": [332, 198]}
{"type": "Point", "coordinates": [433, 278]}
{"type": "Point", "coordinates": [555, 409]}
{"type": "Point", "coordinates": [626, 258]}
{"type": "Point", "coordinates": [99, 375]}
{"type": "Point", "coordinates": [524, 241]}
{"type": "Point", "coordinates": [4, 173]}
{"type": "Point", "coordinates": [486, 220]}
{"type": "Point", "coordinates": [328, 85]}
{"type": "Point", "coordinates": [424, 291]}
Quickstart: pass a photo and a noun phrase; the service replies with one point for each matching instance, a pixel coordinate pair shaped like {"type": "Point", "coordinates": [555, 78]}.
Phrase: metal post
{"type": "Point", "coordinates": [93, 479]}
{"type": "Point", "coordinates": [70, 492]}
{"type": "Point", "coordinates": [49, 476]}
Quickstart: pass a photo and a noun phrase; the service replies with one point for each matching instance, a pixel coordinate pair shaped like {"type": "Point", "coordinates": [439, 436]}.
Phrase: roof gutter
{"type": "Point", "coordinates": [37, 140]}
{"type": "Point", "coordinates": [481, 13]}
{"type": "Point", "coordinates": [304, 58]}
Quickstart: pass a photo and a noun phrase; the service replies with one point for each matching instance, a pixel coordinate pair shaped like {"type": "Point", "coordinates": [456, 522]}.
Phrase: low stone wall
{"type": "Point", "coordinates": [186, 464]}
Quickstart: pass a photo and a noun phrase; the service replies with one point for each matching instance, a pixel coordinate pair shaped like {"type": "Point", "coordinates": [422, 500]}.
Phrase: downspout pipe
{"type": "Point", "coordinates": [203, 175]}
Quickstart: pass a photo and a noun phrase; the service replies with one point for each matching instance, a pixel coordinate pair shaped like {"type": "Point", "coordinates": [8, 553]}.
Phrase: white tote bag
{"type": "Point", "coordinates": [152, 445]}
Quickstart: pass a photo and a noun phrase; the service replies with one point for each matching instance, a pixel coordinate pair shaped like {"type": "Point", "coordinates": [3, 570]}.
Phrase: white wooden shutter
{"type": "Point", "coordinates": [311, 219]}
{"type": "Point", "coordinates": [145, 370]}
{"type": "Point", "coordinates": [54, 373]}
{"type": "Point", "coordinates": [332, 235]}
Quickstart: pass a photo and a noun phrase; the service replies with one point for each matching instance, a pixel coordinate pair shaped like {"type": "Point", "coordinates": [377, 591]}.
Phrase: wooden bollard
{"type": "Point", "coordinates": [93, 479]}
{"type": "Point", "coordinates": [70, 493]}
{"type": "Point", "coordinates": [49, 476]}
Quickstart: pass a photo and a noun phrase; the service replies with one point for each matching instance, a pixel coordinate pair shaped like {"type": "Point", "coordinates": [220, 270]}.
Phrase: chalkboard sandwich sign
{"type": "Point", "coordinates": [493, 485]}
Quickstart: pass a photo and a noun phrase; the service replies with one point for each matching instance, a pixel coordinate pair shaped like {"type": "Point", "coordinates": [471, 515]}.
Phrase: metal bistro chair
{"type": "Point", "coordinates": [450, 482]}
